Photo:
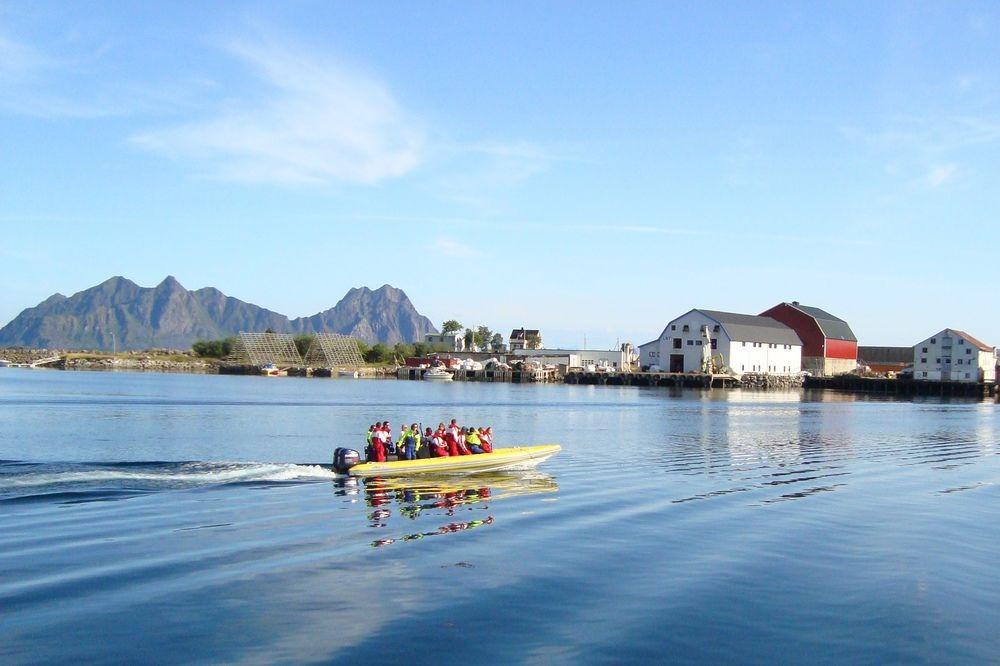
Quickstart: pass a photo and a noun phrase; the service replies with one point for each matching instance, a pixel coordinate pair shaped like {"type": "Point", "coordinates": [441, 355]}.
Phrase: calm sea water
{"type": "Point", "coordinates": [178, 518]}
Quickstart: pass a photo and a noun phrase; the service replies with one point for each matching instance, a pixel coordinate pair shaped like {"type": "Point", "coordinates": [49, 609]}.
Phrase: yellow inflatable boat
{"type": "Point", "coordinates": [347, 461]}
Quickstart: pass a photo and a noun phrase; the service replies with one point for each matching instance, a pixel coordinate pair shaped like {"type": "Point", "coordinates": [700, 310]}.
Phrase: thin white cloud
{"type": "Point", "coordinates": [450, 247]}
{"type": "Point", "coordinates": [17, 60]}
{"type": "Point", "coordinates": [478, 174]}
{"type": "Point", "coordinates": [933, 134]}
{"type": "Point", "coordinates": [322, 122]}
{"type": "Point", "coordinates": [940, 175]}
{"type": "Point", "coordinates": [719, 235]}
{"type": "Point", "coordinates": [639, 229]}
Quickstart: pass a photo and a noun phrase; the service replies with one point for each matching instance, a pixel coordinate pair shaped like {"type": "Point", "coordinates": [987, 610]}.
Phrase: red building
{"type": "Point", "coordinates": [829, 346]}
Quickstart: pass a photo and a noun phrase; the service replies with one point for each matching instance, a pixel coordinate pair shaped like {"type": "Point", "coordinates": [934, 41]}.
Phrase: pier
{"type": "Point", "coordinates": [903, 387]}
{"type": "Point", "coordinates": [511, 376]}
{"type": "Point", "coordinates": [675, 379]}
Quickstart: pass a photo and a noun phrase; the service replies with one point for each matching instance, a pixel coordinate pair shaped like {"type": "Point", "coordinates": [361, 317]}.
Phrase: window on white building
{"type": "Point", "coordinates": [686, 328]}
{"type": "Point", "coordinates": [933, 341]}
{"type": "Point", "coordinates": [677, 343]}
{"type": "Point", "coordinates": [923, 374]}
{"type": "Point", "coordinates": [966, 375]}
{"type": "Point", "coordinates": [961, 361]}
{"type": "Point", "coordinates": [715, 344]}
{"type": "Point", "coordinates": [961, 341]}
{"type": "Point", "coordinates": [690, 343]}
{"type": "Point", "coordinates": [968, 351]}
{"type": "Point", "coordinates": [924, 350]}
{"type": "Point", "coordinates": [715, 328]}
{"type": "Point", "coordinates": [923, 360]}
{"type": "Point", "coordinates": [699, 343]}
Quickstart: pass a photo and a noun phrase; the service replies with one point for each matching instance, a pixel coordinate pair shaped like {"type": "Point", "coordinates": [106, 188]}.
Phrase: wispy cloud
{"type": "Point", "coordinates": [427, 219]}
{"type": "Point", "coordinates": [449, 247]}
{"type": "Point", "coordinates": [477, 174]}
{"type": "Point", "coordinates": [940, 175]}
{"type": "Point", "coordinates": [933, 134]}
{"type": "Point", "coordinates": [322, 122]}
{"type": "Point", "coordinates": [639, 229]}
{"type": "Point", "coordinates": [699, 231]}
{"type": "Point", "coordinates": [17, 61]}
{"type": "Point", "coordinates": [35, 82]}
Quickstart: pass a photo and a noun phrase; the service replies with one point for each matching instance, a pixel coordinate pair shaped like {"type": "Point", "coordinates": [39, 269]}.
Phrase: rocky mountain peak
{"type": "Point", "coordinates": [168, 315]}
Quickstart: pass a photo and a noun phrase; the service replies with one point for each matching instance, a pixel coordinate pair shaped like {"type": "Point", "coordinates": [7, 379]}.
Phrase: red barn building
{"type": "Point", "coordinates": [829, 346]}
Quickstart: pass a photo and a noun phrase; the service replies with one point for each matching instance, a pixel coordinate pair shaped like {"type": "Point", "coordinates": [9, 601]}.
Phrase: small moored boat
{"type": "Point", "coordinates": [348, 461]}
{"type": "Point", "coordinates": [349, 373]}
{"type": "Point", "coordinates": [438, 375]}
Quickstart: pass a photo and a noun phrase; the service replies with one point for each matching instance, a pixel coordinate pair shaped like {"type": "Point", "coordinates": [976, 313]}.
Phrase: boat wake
{"type": "Point", "coordinates": [21, 481]}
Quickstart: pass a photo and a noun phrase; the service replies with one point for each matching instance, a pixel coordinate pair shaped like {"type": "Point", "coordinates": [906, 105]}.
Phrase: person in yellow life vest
{"type": "Point", "coordinates": [368, 442]}
{"type": "Point", "coordinates": [404, 434]}
{"type": "Point", "coordinates": [406, 446]}
{"type": "Point", "coordinates": [473, 442]}
{"type": "Point", "coordinates": [414, 445]}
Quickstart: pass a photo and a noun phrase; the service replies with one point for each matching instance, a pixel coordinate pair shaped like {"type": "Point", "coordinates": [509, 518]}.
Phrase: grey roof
{"type": "Point", "coordinates": [522, 333]}
{"type": "Point", "coordinates": [834, 328]}
{"type": "Point", "coordinates": [751, 328]}
{"type": "Point", "coordinates": [885, 354]}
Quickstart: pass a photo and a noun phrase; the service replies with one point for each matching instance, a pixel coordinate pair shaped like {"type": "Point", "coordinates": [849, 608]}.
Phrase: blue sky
{"type": "Point", "coordinates": [591, 170]}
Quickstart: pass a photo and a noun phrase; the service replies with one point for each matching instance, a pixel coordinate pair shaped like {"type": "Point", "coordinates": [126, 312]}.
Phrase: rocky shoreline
{"type": "Point", "coordinates": [194, 366]}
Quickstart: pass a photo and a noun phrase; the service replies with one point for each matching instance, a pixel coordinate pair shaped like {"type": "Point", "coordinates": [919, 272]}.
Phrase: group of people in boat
{"type": "Point", "coordinates": [453, 440]}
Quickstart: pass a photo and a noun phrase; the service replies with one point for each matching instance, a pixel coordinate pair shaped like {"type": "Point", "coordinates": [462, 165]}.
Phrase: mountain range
{"type": "Point", "coordinates": [118, 312]}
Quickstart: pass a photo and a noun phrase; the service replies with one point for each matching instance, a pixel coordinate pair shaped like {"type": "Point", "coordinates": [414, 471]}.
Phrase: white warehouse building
{"type": "Point", "coordinates": [743, 343]}
{"type": "Point", "coordinates": [954, 356]}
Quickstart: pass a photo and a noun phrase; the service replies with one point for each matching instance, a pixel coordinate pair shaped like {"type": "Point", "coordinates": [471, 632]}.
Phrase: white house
{"type": "Point", "coordinates": [743, 343]}
{"type": "Point", "coordinates": [525, 338]}
{"type": "Point", "coordinates": [954, 356]}
{"type": "Point", "coordinates": [453, 341]}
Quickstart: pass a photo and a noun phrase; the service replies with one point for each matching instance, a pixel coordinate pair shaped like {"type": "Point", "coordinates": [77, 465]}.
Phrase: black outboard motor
{"type": "Point", "coordinates": [345, 459]}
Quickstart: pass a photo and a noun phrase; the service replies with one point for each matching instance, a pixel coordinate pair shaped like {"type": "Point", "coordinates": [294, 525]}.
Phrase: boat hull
{"type": "Point", "coordinates": [501, 459]}
{"type": "Point", "coordinates": [433, 377]}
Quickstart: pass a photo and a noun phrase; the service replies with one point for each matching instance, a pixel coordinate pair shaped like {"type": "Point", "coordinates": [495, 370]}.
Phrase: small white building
{"type": "Point", "coordinates": [525, 338]}
{"type": "Point", "coordinates": [743, 343]}
{"type": "Point", "coordinates": [614, 359]}
{"type": "Point", "coordinates": [954, 356]}
{"type": "Point", "coordinates": [649, 355]}
{"type": "Point", "coordinates": [453, 341]}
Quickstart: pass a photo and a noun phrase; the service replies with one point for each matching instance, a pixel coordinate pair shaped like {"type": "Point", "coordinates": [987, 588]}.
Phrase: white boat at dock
{"type": "Point", "coordinates": [437, 375]}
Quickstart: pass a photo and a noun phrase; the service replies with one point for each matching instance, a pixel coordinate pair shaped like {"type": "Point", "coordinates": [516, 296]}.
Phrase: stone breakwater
{"type": "Point", "coordinates": [146, 364]}
{"type": "Point", "coordinates": [27, 355]}
{"type": "Point", "coordinates": [765, 381]}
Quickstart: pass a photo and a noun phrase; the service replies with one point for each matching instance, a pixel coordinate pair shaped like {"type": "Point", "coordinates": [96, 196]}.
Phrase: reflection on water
{"type": "Point", "coordinates": [434, 497]}
{"type": "Point", "coordinates": [675, 513]}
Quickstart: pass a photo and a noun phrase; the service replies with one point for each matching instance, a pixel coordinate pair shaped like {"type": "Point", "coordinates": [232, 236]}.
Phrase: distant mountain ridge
{"type": "Point", "coordinates": [120, 312]}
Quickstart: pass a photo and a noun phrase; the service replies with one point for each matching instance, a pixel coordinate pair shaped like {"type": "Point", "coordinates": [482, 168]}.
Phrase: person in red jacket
{"type": "Point", "coordinates": [463, 448]}
{"type": "Point", "coordinates": [451, 438]}
{"type": "Point", "coordinates": [439, 448]}
{"type": "Point", "coordinates": [486, 437]}
{"type": "Point", "coordinates": [378, 443]}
